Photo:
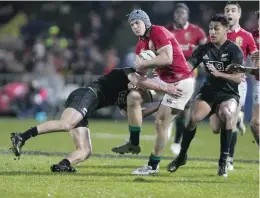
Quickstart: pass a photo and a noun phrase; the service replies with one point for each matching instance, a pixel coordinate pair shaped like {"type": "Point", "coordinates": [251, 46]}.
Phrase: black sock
{"type": "Point", "coordinates": [154, 161]}
{"type": "Point", "coordinates": [65, 162]}
{"type": "Point", "coordinates": [180, 127]}
{"type": "Point", "coordinates": [254, 132]}
{"type": "Point", "coordinates": [188, 136]}
{"type": "Point", "coordinates": [225, 138]}
{"type": "Point", "coordinates": [233, 144]}
{"type": "Point", "coordinates": [135, 134]}
{"type": "Point", "coordinates": [32, 132]}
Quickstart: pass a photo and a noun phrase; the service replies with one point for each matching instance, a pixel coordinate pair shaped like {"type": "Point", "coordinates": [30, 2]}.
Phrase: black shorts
{"type": "Point", "coordinates": [215, 98]}
{"type": "Point", "coordinates": [85, 101]}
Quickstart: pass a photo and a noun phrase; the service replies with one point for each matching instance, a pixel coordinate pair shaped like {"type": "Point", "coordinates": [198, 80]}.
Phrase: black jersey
{"type": "Point", "coordinates": [113, 87]}
{"type": "Point", "coordinates": [228, 53]}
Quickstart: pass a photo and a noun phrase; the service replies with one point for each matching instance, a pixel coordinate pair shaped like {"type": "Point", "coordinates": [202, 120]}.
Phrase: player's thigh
{"type": "Point", "coordinates": [187, 87]}
{"type": "Point", "coordinates": [215, 123]}
{"type": "Point", "coordinates": [242, 89]}
{"type": "Point", "coordinates": [199, 110]}
{"type": "Point", "coordinates": [255, 115]}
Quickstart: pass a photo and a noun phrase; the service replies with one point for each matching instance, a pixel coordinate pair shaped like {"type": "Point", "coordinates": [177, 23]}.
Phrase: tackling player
{"type": "Point", "coordinates": [110, 89]}
{"type": "Point", "coordinates": [189, 37]}
{"type": "Point", "coordinates": [219, 93]}
{"type": "Point", "coordinates": [244, 40]}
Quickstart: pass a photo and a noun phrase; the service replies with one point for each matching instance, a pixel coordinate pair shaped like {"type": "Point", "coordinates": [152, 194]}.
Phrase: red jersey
{"type": "Point", "coordinates": [158, 38]}
{"type": "Point", "coordinates": [243, 39]}
{"type": "Point", "coordinates": [188, 37]}
{"type": "Point", "coordinates": [255, 34]}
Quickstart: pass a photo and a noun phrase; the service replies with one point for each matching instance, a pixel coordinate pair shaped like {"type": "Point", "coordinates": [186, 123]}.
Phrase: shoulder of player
{"type": "Point", "coordinates": [232, 46]}
{"type": "Point", "coordinates": [158, 28]}
{"type": "Point", "coordinates": [243, 32]}
{"type": "Point", "coordinates": [193, 26]}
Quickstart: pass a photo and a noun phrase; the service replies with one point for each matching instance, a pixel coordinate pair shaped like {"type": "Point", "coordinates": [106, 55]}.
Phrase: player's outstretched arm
{"type": "Point", "coordinates": [236, 77]}
{"type": "Point", "coordinates": [242, 69]}
{"type": "Point", "coordinates": [163, 59]}
{"type": "Point", "coordinates": [146, 83]}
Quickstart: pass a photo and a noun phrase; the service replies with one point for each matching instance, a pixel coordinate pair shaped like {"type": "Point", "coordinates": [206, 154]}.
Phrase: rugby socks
{"type": "Point", "coordinates": [65, 162]}
{"type": "Point", "coordinates": [154, 161]}
{"type": "Point", "coordinates": [180, 127]}
{"type": "Point", "coordinates": [225, 138]}
{"type": "Point", "coordinates": [135, 134]}
{"type": "Point", "coordinates": [188, 136]}
{"type": "Point", "coordinates": [32, 132]}
{"type": "Point", "coordinates": [233, 144]}
{"type": "Point", "coordinates": [255, 132]}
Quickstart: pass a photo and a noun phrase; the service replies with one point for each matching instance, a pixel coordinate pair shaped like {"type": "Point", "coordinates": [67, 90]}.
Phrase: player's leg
{"type": "Point", "coordinates": [227, 111]}
{"type": "Point", "coordinates": [78, 104]}
{"type": "Point", "coordinates": [199, 111]}
{"type": "Point", "coordinates": [242, 88]}
{"type": "Point", "coordinates": [215, 123]}
{"type": "Point", "coordinates": [81, 138]}
{"type": "Point", "coordinates": [135, 119]}
{"type": "Point", "coordinates": [168, 110]}
{"type": "Point", "coordinates": [254, 124]}
{"type": "Point", "coordinates": [180, 121]}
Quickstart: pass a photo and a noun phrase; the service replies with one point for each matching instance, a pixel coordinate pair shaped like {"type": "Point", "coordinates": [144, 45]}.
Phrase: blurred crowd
{"type": "Point", "coordinates": [71, 43]}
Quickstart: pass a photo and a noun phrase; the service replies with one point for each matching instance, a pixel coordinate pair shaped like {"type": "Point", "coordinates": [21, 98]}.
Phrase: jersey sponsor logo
{"type": "Point", "coordinates": [169, 101]}
{"type": "Point", "coordinates": [121, 98]}
{"type": "Point", "coordinates": [218, 65]}
{"type": "Point", "coordinates": [224, 55]}
{"type": "Point", "coordinates": [84, 111]}
{"type": "Point", "coordinates": [206, 57]}
{"type": "Point", "coordinates": [239, 41]}
{"type": "Point", "coordinates": [185, 47]}
{"type": "Point", "coordinates": [151, 45]}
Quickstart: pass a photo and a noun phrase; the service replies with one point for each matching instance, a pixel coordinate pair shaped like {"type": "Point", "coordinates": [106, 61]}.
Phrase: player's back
{"type": "Point", "coordinates": [114, 86]}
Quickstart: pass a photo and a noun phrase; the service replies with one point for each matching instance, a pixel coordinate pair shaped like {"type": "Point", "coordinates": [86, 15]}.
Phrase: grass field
{"type": "Point", "coordinates": [108, 175]}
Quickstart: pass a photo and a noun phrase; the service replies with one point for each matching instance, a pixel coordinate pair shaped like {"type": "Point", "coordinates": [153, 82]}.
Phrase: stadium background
{"type": "Point", "coordinates": [64, 45]}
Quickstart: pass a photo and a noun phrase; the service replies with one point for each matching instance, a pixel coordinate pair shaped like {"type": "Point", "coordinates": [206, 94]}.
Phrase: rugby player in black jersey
{"type": "Point", "coordinates": [219, 93]}
{"type": "Point", "coordinates": [110, 89]}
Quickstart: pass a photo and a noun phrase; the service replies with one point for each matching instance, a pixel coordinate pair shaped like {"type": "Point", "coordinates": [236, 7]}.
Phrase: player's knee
{"type": "Point", "coordinates": [215, 131]}
{"type": "Point", "coordinates": [160, 125]}
{"type": "Point", "coordinates": [254, 122]}
{"type": "Point", "coordinates": [195, 118]}
{"type": "Point", "coordinates": [134, 97]}
{"type": "Point", "coordinates": [66, 125]}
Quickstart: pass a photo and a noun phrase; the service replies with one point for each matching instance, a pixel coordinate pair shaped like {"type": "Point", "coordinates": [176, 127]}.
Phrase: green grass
{"type": "Point", "coordinates": [110, 177]}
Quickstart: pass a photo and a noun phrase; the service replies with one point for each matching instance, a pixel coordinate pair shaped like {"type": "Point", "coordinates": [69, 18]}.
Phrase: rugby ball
{"type": "Point", "coordinates": [147, 55]}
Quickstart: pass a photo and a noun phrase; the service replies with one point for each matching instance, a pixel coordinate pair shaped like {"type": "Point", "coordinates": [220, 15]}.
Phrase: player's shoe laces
{"type": "Point", "coordinates": [175, 148]}
{"type": "Point", "coordinates": [128, 147]}
{"type": "Point", "coordinates": [146, 170]}
{"type": "Point", "coordinates": [62, 168]}
{"type": "Point", "coordinates": [222, 169]}
{"type": "Point", "coordinates": [230, 165]}
{"type": "Point", "coordinates": [240, 123]}
{"type": "Point", "coordinates": [176, 163]}
{"type": "Point", "coordinates": [17, 142]}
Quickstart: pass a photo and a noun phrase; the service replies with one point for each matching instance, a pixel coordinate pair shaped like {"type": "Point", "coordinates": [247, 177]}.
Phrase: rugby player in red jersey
{"type": "Point", "coordinates": [189, 37]}
{"type": "Point", "coordinates": [246, 42]}
{"type": "Point", "coordinates": [172, 68]}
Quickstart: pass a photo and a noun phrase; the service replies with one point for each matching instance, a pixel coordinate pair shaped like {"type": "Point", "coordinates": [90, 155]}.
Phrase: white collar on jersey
{"type": "Point", "coordinates": [185, 27]}
{"type": "Point", "coordinates": [236, 30]}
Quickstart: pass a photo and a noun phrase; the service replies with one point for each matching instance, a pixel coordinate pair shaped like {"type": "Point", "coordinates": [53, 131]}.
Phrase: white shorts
{"type": "Point", "coordinates": [242, 89]}
{"type": "Point", "coordinates": [256, 97]}
{"type": "Point", "coordinates": [186, 85]}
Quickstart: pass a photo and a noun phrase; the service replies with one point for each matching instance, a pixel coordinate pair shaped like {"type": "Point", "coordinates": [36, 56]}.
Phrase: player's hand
{"type": "Point", "coordinates": [132, 86]}
{"type": "Point", "coordinates": [213, 70]}
{"type": "Point", "coordinates": [235, 68]}
{"type": "Point", "coordinates": [173, 91]}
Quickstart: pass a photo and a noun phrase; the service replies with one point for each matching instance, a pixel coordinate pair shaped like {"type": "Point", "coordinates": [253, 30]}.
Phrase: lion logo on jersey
{"type": "Point", "coordinates": [239, 41]}
{"type": "Point", "coordinates": [151, 45]}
